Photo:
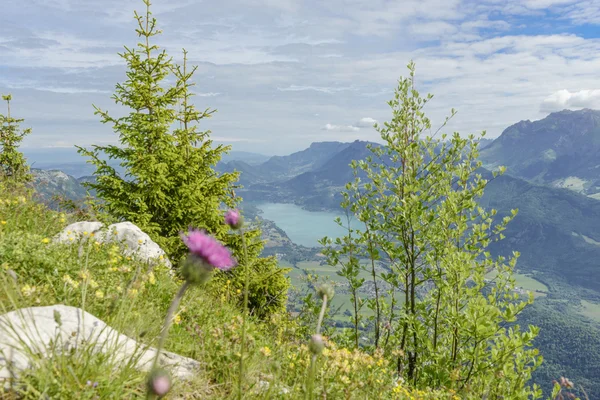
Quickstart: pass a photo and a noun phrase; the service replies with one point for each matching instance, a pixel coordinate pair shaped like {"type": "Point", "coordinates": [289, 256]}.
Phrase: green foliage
{"type": "Point", "coordinates": [129, 297]}
{"type": "Point", "coordinates": [12, 162]}
{"type": "Point", "coordinates": [416, 207]}
{"type": "Point", "coordinates": [170, 183]}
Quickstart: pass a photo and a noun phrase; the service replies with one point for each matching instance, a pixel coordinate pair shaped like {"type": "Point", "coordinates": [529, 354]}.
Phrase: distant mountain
{"type": "Point", "coordinates": [561, 150]}
{"type": "Point", "coordinates": [56, 183]}
{"type": "Point", "coordinates": [245, 156]}
{"type": "Point", "coordinates": [282, 168]}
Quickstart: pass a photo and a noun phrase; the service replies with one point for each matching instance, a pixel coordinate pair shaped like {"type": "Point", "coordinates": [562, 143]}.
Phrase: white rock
{"type": "Point", "coordinates": [135, 241]}
{"type": "Point", "coordinates": [30, 330]}
{"type": "Point", "coordinates": [77, 229]}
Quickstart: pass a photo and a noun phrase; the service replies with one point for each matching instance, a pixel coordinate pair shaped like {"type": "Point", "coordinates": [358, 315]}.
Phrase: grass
{"type": "Point", "coordinates": [526, 282]}
{"type": "Point", "coordinates": [590, 310]}
{"type": "Point", "coordinates": [132, 297]}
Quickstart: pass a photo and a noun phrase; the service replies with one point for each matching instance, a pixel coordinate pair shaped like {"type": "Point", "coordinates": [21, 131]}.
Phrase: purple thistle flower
{"type": "Point", "coordinates": [208, 249]}
{"type": "Point", "coordinates": [233, 219]}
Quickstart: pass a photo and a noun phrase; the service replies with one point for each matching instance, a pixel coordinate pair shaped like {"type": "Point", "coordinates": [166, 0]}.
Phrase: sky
{"type": "Point", "coordinates": [285, 73]}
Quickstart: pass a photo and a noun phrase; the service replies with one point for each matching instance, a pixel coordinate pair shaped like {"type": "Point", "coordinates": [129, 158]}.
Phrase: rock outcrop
{"type": "Point", "coordinates": [135, 242]}
{"type": "Point", "coordinates": [31, 330]}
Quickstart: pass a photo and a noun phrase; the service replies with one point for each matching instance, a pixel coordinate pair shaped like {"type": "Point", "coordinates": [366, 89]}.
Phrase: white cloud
{"type": "Point", "coordinates": [341, 128]}
{"type": "Point", "coordinates": [366, 122]}
{"type": "Point", "coordinates": [562, 99]}
{"type": "Point", "coordinates": [208, 94]}
{"type": "Point", "coordinates": [301, 88]}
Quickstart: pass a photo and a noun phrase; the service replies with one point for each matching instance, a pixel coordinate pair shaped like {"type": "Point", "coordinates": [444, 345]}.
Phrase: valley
{"type": "Point", "coordinates": [295, 199]}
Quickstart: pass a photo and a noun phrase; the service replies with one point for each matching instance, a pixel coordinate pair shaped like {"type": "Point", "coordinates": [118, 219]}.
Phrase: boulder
{"type": "Point", "coordinates": [30, 331]}
{"type": "Point", "coordinates": [134, 241]}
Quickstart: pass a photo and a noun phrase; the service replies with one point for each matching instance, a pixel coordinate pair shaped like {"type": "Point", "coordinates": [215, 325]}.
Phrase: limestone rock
{"type": "Point", "coordinates": [135, 242]}
{"type": "Point", "coordinates": [30, 330]}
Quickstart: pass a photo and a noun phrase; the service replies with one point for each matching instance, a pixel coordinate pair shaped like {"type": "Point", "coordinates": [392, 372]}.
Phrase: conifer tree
{"type": "Point", "coordinates": [443, 322]}
{"type": "Point", "coordinates": [13, 165]}
{"type": "Point", "coordinates": [170, 183]}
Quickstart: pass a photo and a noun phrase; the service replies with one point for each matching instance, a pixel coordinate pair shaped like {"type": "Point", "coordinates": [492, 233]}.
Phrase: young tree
{"type": "Point", "coordinates": [170, 182]}
{"type": "Point", "coordinates": [13, 165]}
{"type": "Point", "coordinates": [449, 327]}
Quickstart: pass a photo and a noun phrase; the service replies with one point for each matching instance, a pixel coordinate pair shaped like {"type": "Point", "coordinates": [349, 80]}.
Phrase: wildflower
{"type": "Point", "coordinates": [238, 291]}
{"type": "Point", "coordinates": [27, 290]}
{"type": "Point", "coordinates": [99, 294]}
{"type": "Point", "coordinates": [177, 319]}
{"type": "Point", "coordinates": [151, 278]}
{"type": "Point", "coordinates": [93, 284]}
{"type": "Point", "coordinates": [3, 222]}
{"type": "Point", "coordinates": [266, 351]}
{"type": "Point", "coordinates": [85, 233]}
{"type": "Point", "coordinates": [140, 241]}
{"type": "Point", "coordinates": [233, 219]}
{"type": "Point", "coordinates": [92, 384]}
{"type": "Point", "coordinates": [159, 382]}
{"type": "Point", "coordinates": [45, 240]}
{"type": "Point", "coordinates": [205, 255]}
{"type": "Point", "coordinates": [207, 248]}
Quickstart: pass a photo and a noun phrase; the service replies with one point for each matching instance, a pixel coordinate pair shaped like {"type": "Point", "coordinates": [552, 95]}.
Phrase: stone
{"type": "Point", "coordinates": [31, 330]}
{"type": "Point", "coordinates": [135, 242]}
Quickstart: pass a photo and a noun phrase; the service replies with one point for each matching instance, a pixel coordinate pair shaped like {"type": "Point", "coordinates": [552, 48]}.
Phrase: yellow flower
{"type": "Point", "coordinates": [45, 240]}
{"type": "Point", "coordinates": [266, 351]}
{"type": "Point", "coordinates": [93, 284]}
{"type": "Point", "coordinates": [71, 238]}
{"type": "Point", "coordinates": [84, 275]}
{"type": "Point", "coordinates": [3, 222]}
{"type": "Point", "coordinates": [27, 290]}
{"type": "Point", "coordinates": [68, 232]}
{"type": "Point", "coordinates": [140, 241]}
{"type": "Point", "coordinates": [238, 291]}
{"type": "Point", "coordinates": [133, 292]}
{"type": "Point", "coordinates": [99, 294]}
{"type": "Point", "coordinates": [228, 281]}
{"type": "Point", "coordinates": [151, 278]}
{"type": "Point", "coordinates": [177, 319]}
{"type": "Point", "coordinates": [84, 233]}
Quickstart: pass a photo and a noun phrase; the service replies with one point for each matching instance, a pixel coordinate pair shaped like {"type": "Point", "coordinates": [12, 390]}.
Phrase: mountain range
{"type": "Point", "coordinates": [553, 178]}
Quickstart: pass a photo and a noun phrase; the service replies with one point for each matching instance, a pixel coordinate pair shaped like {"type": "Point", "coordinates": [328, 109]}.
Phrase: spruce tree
{"type": "Point", "coordinates": [13, 166]}
{"type": "Point", "coordinates": [170, 182]}
{"type": "Point", "coordinates": [415, 206]}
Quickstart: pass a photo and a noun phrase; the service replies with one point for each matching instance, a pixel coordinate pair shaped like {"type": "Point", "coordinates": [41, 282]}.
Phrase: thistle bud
{"type": "Point", "coordinates": [234, 219]}
{"type": "Point", "coordinates": [195, 270]}
{"type": "Point", "coordinates": [159, 382]}
{"type": "Point", "coordinates": [325, 290]}
{"type": "Point", "coordinates": [316, 344]}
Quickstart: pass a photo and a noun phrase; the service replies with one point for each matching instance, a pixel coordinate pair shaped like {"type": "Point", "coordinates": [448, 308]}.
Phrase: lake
{"type": "Point", "coordinates": [303, 227]}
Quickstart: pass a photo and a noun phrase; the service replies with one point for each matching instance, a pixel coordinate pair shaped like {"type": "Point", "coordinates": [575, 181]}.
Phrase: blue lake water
{"type": "Point", "coordinates": [303, 227]}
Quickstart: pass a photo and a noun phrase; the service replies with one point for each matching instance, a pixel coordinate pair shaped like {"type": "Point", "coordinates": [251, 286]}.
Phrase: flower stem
{"type": "Point", "coordinates": [245, 315]}
{"type": "Point", "coordinates": [313, 359]}
{"type": "Point", "coordinates": [168, 321]}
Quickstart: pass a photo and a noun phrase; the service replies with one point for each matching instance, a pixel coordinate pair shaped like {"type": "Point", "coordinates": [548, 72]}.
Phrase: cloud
{"type": "Point", "coordinates": [562, 99]}
{"type": "Point", "coordinates": [341, 128]}
{"type": "Point", "coordinates": [301, 88]}
{"type": "Point", "coordinates": [366, 122]}
{"type": "Point", "coordinates": [208, 94]}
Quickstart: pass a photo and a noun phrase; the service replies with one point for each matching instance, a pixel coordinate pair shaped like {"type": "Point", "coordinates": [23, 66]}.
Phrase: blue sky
{"type": "Point", "coordinates": [285, 73]}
